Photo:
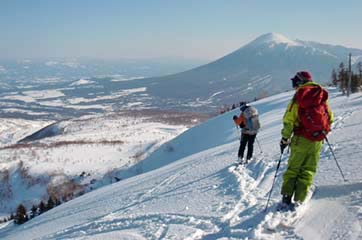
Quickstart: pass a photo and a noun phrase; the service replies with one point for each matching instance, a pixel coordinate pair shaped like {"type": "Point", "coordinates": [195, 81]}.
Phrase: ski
{"type": "Point", "coordinates": [237, 165]}
{"type": "Point", "coordinates": [287, 219]}
{"type": "Point", "coordinates": [240, 163]}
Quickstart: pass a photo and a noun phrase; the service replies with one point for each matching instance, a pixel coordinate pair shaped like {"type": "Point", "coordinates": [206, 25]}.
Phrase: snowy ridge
{"type": "Point", "coordinates": [13, 130]}
{"type": "Point", "coordinates": [194, 191]}
{"type": "Point", "coordinates": [272, 39]}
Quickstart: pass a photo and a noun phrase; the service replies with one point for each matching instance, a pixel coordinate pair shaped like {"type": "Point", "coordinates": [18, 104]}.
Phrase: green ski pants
{"type": "Point", "coordinates": [302, 166]}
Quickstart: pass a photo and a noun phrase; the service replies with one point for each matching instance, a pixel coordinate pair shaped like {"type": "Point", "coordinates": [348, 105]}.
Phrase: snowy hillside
{"type": "Point", "coordinates": [68, 158]}
{"type": "Point", "coordinates": [193, 191]}
{"type": "Point", "coordinates": [13, 130]}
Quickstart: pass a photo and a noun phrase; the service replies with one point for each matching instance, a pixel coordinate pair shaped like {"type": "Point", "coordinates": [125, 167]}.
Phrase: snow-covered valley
{"type": "Point", "coordinates": [189, 188]}
{"type": "Point", "coordinates": [65, 159]}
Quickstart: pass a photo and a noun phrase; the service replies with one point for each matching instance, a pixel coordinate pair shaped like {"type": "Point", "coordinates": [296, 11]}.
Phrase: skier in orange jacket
{"type": "Point", "coordinates": [248, 121]}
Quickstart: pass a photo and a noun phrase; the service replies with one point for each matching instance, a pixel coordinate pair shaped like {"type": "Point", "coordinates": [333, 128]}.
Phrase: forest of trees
{"type": "Point", "coordinates": [340, 78]}
{"type": "Point", "coordinates": [21, 215]}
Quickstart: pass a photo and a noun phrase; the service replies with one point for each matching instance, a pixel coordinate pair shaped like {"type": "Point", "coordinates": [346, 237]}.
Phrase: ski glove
{"type": "Point", "coordinates": [283, 144]}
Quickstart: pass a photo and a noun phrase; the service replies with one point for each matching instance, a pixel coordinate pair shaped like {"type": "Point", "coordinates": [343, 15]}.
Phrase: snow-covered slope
{"type": "Point", "coordinates": [84, 153]}
{"type": "Point", "coordinates": [13, 130]}
{"type": "Point", "coordinates": [198, 195]}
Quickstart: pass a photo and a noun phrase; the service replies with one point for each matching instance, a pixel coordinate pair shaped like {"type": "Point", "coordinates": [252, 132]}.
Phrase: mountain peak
{"type": "Point", "coordinates": [272, 39]}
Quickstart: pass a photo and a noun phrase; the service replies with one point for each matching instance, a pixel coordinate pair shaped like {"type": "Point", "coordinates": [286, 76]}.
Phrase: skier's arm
{"type": "Point", "coordinates": [330, 113]}
{"type": "Point", "coordinates": [240, 121]}
{"type": "Point", "coordinates": [290, 119]}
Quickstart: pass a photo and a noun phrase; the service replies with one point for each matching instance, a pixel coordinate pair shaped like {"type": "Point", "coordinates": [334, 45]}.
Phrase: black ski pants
{"type": "Point", "coordinates": [246, 139]}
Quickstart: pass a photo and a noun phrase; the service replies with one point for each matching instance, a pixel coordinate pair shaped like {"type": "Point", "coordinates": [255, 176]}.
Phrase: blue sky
{"type": "Point", "coordinates": [197, 29]}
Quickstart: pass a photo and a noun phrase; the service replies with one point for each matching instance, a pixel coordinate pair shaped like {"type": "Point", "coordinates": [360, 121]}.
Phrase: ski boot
{"type": "Point", "coordinates": [286, 204]}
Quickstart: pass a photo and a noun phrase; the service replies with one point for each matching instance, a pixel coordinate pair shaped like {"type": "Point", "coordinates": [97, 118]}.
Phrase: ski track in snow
{"type": "Point", "coordinates": [252, 197]}
{"type": "Point", "coordinates": [248, 177]}
{"type": "Point", "coordinates": [214, 200]}
{"type": "Point", "coordinates": [160, 222]}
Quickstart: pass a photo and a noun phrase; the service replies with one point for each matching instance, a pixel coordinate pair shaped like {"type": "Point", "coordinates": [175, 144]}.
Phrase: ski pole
{"type": "Point", "coordinates": [261, 151]}
{"type": "Point", "coordinates": [334, 156]}
{"type": "Point", "coordinates": [275, 176]}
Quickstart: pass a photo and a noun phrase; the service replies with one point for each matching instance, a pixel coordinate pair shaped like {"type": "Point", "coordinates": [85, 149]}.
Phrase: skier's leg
{"type": "Point", "coordinates": [243, 142]}
{"type": "Point", "coordinates": [251, 140]}
{"type": "Point", "coordinates": [307, 171]}
{"type": "Point", "coordinates": [295, 161]}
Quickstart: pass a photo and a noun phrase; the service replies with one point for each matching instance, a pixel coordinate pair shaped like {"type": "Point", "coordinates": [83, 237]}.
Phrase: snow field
{"type": "Point", "coordinates": [88, 149]}
{"type": "Point", "coordinates": [190, 189]}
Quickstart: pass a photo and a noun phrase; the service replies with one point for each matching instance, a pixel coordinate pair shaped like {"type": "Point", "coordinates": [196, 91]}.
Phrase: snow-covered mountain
{"type": "Point", "coordinates": [71, 89]}
{"type": "Point", "coordinates": [190, 190]}
{"type": "Point", "coordinates": [261, 68]}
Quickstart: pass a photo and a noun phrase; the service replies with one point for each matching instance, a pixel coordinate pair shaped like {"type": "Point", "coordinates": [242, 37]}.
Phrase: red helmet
{"type": "Point", "coordinates": [301, 78]}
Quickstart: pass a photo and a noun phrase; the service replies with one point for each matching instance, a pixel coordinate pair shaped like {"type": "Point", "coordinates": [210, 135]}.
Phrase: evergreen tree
{"type": "Point", "coordinates": [50, 204]}
{"type": "Point", "coordinates": [42, 207]}
{"type": "Point", "coordinates": [56, 201]}
{"type": "Point", "coordinates": [354, 83]}
{"type": "Point", "coordinates": [343, 78]}
{"type": "Point", "coordinates": [334, 78]}
{"type": "Point", "coordinates": [359, 69]}
{"type": "Point", "coordinates": [20, 215]}
{"type": "Point", "coordinates": [33, 211]}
